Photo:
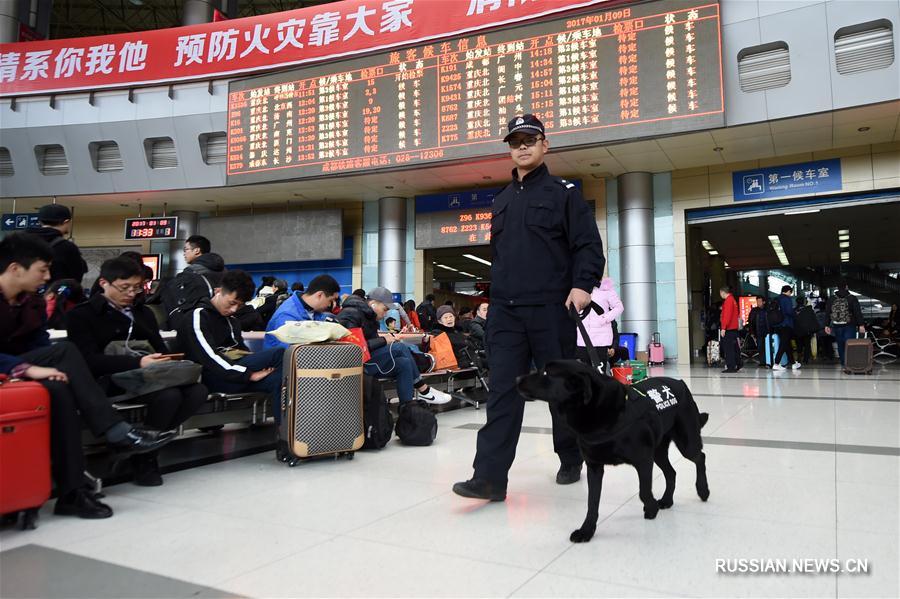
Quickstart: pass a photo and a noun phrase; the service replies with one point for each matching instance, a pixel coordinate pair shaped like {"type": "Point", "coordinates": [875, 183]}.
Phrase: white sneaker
{"type": "Point", "coordinates": [796, 365]}
{"type": "Point", "coordinates": [433, 397]}
{"type": "Point", "coordinates": [777, 367]}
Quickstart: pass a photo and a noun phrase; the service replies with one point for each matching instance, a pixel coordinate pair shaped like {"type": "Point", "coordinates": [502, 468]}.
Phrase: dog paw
{"type": "Point", "coordinates": [581, 535]}
{"type": "Point", "coordinates": [703, 493]}
{"type": "Point", "coordinates": [650, 513]}
{"type": "Point", "coordinates": [664, 504]}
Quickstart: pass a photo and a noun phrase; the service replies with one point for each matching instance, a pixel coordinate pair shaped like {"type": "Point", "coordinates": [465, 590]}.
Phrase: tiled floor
{"type": "Point", "coordinates": [801, 465]}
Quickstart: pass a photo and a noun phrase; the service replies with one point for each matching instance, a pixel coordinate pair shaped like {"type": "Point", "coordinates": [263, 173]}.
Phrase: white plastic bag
{"type": "Point", "coordinates": [309, 331]}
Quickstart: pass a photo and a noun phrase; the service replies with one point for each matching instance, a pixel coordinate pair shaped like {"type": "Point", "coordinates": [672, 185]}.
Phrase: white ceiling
{"type": "Point", "coordinates": [810, 133]}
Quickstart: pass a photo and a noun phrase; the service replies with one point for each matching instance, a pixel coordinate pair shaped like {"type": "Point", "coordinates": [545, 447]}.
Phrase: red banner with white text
{"type": "Point", "coordinates": [260, 43]}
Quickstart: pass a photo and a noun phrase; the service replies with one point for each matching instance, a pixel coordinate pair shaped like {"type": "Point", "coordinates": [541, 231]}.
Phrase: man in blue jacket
{"type": "Point", "coordinates": [312, 304]}
{"type": "Point", "coordinates": [785, 329]}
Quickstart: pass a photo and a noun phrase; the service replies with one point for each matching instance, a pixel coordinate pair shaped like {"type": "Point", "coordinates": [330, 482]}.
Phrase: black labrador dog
{"type": "Point", "coordinates": [615, 424]}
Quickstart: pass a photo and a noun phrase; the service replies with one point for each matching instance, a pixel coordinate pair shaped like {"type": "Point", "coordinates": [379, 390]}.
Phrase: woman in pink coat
{"type": "Point", "coordinates": [599, 326]}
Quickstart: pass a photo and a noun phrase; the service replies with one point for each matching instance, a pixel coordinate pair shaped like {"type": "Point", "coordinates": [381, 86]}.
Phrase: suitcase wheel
{"type": "Point", "coordinates": [350, 456]}
{"type": "Point", "coordinates": [29, 517]}
{"type": "Point", "coordinates": [293, 462]}
{"type": "Point", "coordinates": [8, 519]}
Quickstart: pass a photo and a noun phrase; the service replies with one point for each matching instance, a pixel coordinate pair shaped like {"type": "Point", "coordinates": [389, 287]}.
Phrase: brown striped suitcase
{"type": "Point", "coordinates": [321, 402]}
{"type": "Point", "coordinates": [858, 356]}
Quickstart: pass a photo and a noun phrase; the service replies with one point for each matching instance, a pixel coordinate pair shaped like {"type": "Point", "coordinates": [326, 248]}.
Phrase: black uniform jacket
{"type": "Point", "coordinates": [93, 324]}
{"type": "Point", "coordinates": [544, 241]}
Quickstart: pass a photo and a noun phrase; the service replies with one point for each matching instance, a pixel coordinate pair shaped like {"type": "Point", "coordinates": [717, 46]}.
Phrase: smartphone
{"type": "Point", "coordinates": [173, 356]}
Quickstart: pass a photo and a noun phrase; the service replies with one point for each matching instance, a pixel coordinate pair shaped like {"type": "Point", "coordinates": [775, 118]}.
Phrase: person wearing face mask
{"type": "Point", "coordinates": [113, 315]}
{"type": "Point", "coordinates": [390, 358]}
{"type": "Point", "coordinates": [211, 336]}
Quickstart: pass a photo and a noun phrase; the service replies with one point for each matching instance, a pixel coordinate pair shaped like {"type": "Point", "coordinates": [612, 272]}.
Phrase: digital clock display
{"type": "Point", "coordinates": [151, 228]}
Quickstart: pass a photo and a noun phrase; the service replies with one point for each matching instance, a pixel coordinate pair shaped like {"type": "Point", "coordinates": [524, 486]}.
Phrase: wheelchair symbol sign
{"type": "Point", "coordinates": [754, 184]}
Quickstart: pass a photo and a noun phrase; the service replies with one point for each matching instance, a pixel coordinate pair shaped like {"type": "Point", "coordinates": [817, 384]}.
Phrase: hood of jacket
{"type": "Point", "coordinates": [206, 263]}
{"type": "Point", "coordinates": [354, 302]}
{"type": "Point", "coordinates": [48, 234]}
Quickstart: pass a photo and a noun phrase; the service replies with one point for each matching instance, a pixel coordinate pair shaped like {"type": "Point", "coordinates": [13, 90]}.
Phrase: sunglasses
{"type": "Point", "coordinates": [529, 142]}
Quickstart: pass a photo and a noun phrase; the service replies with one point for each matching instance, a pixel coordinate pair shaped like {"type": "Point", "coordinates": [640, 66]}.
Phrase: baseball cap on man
{"type": "Point", "coordinates": [383, 295]}
{"type": "Point", "coordinates": [527, 123]}
{"type": "Point", "coordinates": [54, 213]}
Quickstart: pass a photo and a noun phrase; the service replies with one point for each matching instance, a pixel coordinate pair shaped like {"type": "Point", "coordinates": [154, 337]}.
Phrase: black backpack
{"type": "Point", "coordinates": [773, 313]}
{"type": "Point", "coordinates": [184, 291]}
{"type": "Point", "coordinates": [416, 424]}
{"type": "Point", "coordinates": [377, 418]}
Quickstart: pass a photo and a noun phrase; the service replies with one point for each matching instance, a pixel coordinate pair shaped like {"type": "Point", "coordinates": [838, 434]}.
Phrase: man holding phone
{"type": "Point", "coordinates": [113, 318]}
{"type": "Point", "coordinates": [211, 336]}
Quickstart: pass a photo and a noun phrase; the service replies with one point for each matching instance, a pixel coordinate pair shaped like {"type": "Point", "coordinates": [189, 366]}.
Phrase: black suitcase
{"type": "Point", "coordinates": [321, 402]}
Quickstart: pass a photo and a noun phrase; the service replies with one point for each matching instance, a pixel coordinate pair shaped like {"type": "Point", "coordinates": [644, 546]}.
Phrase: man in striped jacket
{"type": "Point", "coordinates": [211, 336]}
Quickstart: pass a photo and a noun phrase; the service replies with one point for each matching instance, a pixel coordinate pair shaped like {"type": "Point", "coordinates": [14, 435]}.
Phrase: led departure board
{"type": "Point", "coordinates": [163, 227]}
{"type": "Point", "coordinates": [633, 71]}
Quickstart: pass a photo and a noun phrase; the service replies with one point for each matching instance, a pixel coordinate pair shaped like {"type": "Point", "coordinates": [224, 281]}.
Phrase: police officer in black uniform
{"type": "Point", "coordinates": [547, 256]}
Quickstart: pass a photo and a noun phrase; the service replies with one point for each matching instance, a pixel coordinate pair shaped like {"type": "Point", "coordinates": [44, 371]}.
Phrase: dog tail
{"type": "Point", "coordinates": [704, 417]}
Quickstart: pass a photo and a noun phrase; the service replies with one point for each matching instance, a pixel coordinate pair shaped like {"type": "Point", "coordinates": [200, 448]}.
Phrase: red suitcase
{"type": "Point", "coordinates": [24, 449]}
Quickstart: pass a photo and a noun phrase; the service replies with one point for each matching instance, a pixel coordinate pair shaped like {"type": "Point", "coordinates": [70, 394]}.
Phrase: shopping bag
{"type": "Point", "coordinates": [442, 350]}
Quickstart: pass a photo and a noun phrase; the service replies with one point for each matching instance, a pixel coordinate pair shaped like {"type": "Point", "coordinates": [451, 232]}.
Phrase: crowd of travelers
{"type": "Point", "coordinates": [776, 327]}
{"type": "Point", "coordinates": [113, 348]}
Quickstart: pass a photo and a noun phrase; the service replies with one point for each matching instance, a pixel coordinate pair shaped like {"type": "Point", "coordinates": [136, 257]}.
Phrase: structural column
{"type": "Point", "coordinates": [9, 21]}
{"type": "Point", "coordinates": [187, 226]}
{"type": "Point", "coordinates": [637, 255]}
{"type": "Point", "coordinates": [196, 12]}
{"type": "Point", "coordinates": [392, 244]}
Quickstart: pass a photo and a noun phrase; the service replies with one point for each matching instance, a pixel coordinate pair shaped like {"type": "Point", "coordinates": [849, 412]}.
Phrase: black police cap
{"type": "Point", "coordinates": [527, 123]}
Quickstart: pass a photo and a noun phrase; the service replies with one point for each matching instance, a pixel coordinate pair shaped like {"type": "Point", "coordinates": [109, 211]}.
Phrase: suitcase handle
{"type": "Point", "coordinates": [23, 416]}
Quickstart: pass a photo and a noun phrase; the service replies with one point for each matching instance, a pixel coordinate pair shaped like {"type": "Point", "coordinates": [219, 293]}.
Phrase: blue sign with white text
{"type": "Point", "coordinates": [770, 182]}
{"type": "Point", "coordinates": [20, 221]}
{"type": "Point", "coordinates": [462, 200]}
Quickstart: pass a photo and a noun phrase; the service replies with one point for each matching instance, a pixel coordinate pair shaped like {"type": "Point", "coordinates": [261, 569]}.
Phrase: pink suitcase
{"type": "Point", "coordinates": [657, 351]}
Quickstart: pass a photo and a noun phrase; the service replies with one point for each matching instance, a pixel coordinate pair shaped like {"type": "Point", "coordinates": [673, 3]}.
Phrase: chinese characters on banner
{"type": "Point", "coordinates": [263, 42]}
{"type": "Point", "coordinates": [631, 71]}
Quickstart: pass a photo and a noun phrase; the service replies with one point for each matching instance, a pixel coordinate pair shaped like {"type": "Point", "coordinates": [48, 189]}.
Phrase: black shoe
{"type": "Point", "coordinates": [568, 474]}
{"type": "Point", "coordinates": [478, 488]}
{"type": "Point", "coordinates": [83, 504]}
{"type": "Point", "coordinates": [139, 440]}
{"type": "Point", "coordinates": [146, 470]}
{"type": "Point", "coordinates": [730, 370]}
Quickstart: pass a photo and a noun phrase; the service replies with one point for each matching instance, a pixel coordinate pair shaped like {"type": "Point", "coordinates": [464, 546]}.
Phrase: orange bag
{"type": "Point", "coordinates": [357, 337]}
{"type": "Point", "coordinates": [442, 350]}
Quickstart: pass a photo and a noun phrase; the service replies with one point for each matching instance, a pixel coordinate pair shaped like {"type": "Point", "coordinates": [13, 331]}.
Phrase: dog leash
{"type": "Point", "coordinates": [591, 350]}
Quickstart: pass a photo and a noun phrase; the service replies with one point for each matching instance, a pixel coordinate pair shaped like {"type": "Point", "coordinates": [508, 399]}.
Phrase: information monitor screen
{"type": "Point", "coordinates": [628, 72]}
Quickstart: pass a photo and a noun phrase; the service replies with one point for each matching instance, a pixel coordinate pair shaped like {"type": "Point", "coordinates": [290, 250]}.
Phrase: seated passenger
{"type": "Point", "coordinates": [312, 304]}
{"type": "Point", "coordinates": [391, 324]}
{"type": "Point", "coordinates": [61, 297]}
{"type": "Point", "coordinates": [446, 323]}
{"type": "Point", "coordinates": [25, 352]}
{"type": "Point", "coordinates": [211, 336]}
{"type": "Point", "coordinates": [389, 359]}
{"type": "Point", "coordinates": [478, 326]}
{"type": "Point", "coordinates": [113, 315]}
